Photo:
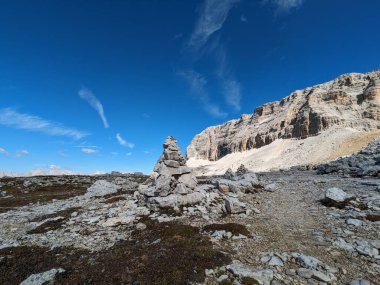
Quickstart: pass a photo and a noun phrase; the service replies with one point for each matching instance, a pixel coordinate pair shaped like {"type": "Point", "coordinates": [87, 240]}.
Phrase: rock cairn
{"type": "Point", "coordinates": [172, 183]}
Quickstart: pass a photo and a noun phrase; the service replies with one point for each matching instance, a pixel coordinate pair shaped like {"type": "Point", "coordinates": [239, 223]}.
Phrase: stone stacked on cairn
{"type": "Point", "coordinates": [173, 183]}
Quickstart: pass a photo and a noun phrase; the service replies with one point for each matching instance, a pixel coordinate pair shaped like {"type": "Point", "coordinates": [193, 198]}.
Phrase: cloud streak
{"type": "Point", "coordinates": [88, 150]}
{"type": "Point", "coordinates": [87, 95]}
{"type": "Point", "coordinates": [3, 151]}
{"type": "Point", "coordinates": [284, 6]}
{"type": "Point", "coordinates": [21, 153]}
{"type": "Point", "coordinates": [213, 14]}
{"type": "Point", "coordinates": [231, 87]}
{"type": "Point", "coordinates": [197, 84]}
{"type": "Point", "coordinates": [123, 142]}
{"type": "Point", "coordinates": [212, 17]}
{"type": "Point", "coordinates": [232, 91]}
{"type": "Point", "coordinates": [12, 118]}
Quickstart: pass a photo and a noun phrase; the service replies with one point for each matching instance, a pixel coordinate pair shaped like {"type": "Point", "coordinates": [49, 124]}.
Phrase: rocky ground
{"type": "Point", "coordinates": [280, 229]}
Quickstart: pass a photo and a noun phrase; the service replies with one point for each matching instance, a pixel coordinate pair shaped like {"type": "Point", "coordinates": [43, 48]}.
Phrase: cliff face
{"type": "Point", "coordinates": [351, 100]}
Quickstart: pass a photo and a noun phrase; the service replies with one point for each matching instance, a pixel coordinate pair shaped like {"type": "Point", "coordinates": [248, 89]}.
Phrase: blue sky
{"type": "Point", "coordinates": [97, 85]}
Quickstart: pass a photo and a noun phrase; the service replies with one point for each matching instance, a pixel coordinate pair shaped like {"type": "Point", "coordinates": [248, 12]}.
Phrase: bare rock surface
{"type": "Point", "coordinates": [365, 162]}
{"type": "Point", "coordinates": [282, 234]}
{"type": "Point", "coordinates": [351, 101]}
{"type": "Point", "coordinates": [43, 278]}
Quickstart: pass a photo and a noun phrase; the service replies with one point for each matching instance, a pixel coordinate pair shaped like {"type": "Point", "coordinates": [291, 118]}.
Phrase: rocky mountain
{"type": "Point", "coordinates": [350, 101]}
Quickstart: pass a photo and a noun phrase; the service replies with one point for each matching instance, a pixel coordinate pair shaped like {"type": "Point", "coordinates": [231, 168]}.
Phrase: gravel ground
{"type": "Point", "coordinates": [287, 222]}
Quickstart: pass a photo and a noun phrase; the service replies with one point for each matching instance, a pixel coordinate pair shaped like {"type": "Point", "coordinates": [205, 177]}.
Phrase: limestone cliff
{"type": "Point", "coordinates": [350, 101]}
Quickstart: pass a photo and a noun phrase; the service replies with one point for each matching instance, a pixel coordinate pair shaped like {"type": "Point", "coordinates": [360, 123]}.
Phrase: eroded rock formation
{"type": "Point", "coordinates": [351, 100]}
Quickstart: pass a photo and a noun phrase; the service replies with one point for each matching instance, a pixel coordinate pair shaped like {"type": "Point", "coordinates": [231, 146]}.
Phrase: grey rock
{"type": "Point", "coordinates": [354, 222]}
{"type": "Point", "coordinates": [305, 273]}
{"type": "Point", "coordinates": [234, 206]}
{"type": "Point", "coordinates": [360, 282]}
{"type": "Point", "coordinates": [375, 243]}
{"type": "Point", "coordinates": [140, 226]}
{"type": "Point", "coordinates": [222, 278]}
{"type": "Point", "coordinates": [271, 187]}
{"type": "Point", "coordinates": [163, 183]}
{"type": "Point", "coordinates": [188, 180]}
{"type": "Point", "coordinates": [365, 162]}
{"type": "Point", "coordinates": [101, 188]}
{"type": "Point", "coordinates": [341, 243]}
{"type": "Point", "coordinates": [182, 189]}
{"type": "Point", "coordinates": [276, 261]}
{"type": "Point", "coordinates": [229, 174]}
{"type": "Point", "coordinates": [367, 250]}
{"type": "Point", "coordinates": [209, 272]}
{"type": "Point", "coordinates": [175, 200]}
{"type": "Point", "coordinates": [290, 272]}
{"type": "Point", "coordinates": [43, 278]}
{"type": "Point", "coordinates": [309, 262]}
{"type": "Point", "coordinates": [317, 275]}
{"type": "Point", "coordinates": [172, 163]}
{"type": "Point", "coordinates": [262, 276]}
{"type": "Point", "coordinates": [337, 195]}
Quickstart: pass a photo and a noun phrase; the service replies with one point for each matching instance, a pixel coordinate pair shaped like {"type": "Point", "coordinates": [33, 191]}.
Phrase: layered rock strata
{"type": "Point", "coordinates": [350, 101]}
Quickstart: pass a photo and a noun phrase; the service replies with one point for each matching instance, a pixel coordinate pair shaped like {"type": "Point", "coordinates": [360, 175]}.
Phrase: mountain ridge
{"type": "Point", "coordinates": [350, 101]}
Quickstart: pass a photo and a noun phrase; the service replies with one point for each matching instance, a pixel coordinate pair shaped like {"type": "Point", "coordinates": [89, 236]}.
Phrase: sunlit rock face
{"type": "Point", "coordinates": [351, 100]}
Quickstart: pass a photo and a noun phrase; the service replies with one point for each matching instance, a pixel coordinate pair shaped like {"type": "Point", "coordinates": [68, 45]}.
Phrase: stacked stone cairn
{"type": "Point", "coordinates": [172, 183]}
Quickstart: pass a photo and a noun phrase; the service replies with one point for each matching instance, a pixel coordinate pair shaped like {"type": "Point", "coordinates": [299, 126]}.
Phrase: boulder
{"type": "Point", "coordinates": [241, 181]}
{"type": "Point", "coordinates": [261, 276]}
{"type": "Point", "coordinates": [43, 278]}
{"type": "Point", "coordinates": [337, 195]}
{"type": "Point", "coordinates": [101, 188]}
{"type": "Point", "coordinates": [306, 261]}
{"type": "Point", "coordinates": [234, 206]}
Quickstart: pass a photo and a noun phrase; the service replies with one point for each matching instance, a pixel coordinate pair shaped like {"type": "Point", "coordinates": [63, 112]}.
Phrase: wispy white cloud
{"type": "Point", "coordinates": [86, 94]}
{"type": "Point", "coordinates": [123, 142]}
{"type": "Point", "coordinates": [89, 150]}
{"type": "Point", "coordinates": [197, 83]}
{"type": "Point", "coordinates": [231, 87]}
{"type": "Point", "coordinates": [212, 16]}
{"type": "Point", "coordinates": [12, 118]}
{"type": "Point", "coordinates": [232, 93]}
{"type": "Point", "coordinates": [128, 154]}
{"type": "Point", "coordinates": [243, 18]}
{"type": "Point", "coordinates": [21, 153]}
{"type": "Point", "coordinates": [3, 151]}
{"type": "Point", "coordinates": [146, 151]}
{"type": "Point", "coordinates": [284, 6]}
